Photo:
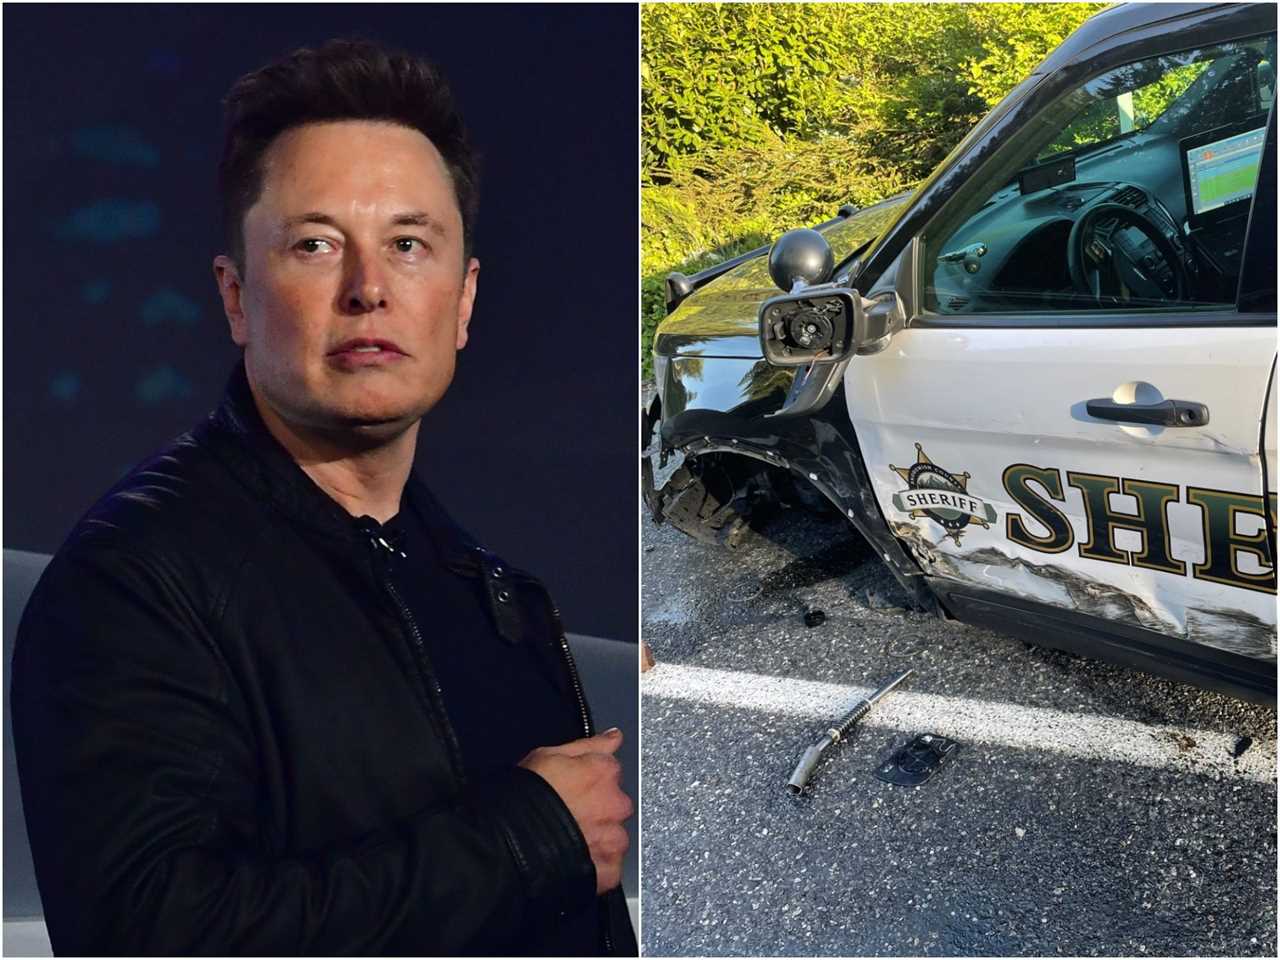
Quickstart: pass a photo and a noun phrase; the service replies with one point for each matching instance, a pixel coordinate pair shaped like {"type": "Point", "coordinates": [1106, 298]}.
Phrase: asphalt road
{"type": "Point", "coordinates": [1090, 810]}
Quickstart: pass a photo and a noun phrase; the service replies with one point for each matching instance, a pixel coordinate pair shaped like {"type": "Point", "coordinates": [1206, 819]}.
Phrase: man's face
{"type": "Point", "coordinates": [356, 236]}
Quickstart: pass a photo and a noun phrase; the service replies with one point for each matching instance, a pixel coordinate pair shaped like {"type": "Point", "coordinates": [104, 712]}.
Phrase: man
{"type": "Point", "coordinates": [268, 697]}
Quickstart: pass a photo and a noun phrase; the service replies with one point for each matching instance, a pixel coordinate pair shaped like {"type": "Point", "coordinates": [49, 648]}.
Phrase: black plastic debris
{"type": "Point", "coordinates": [1243, 744]}
{"type": "Point", "coordinates": [814, 617]}
{"type": "Point", "coordinates": [918, 760]}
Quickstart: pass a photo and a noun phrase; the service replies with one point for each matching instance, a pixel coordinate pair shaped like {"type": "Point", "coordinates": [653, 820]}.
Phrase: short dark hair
{"type": "Point", "coordinates": [347, 79]}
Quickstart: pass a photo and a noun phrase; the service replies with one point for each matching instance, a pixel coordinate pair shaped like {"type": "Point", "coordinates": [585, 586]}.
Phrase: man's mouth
{"type": "Point", "coordinates": [366, 345]}
{"type": "Point", "coordinates": [366, 353]}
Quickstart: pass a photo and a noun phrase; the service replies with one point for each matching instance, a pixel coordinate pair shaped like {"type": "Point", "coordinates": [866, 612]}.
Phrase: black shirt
{"type": "Point", "coordinates": [503, 699]}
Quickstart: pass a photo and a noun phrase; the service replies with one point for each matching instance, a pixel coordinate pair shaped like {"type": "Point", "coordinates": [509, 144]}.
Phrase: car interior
{"type": "Point", "coordinates": [1135, 195]}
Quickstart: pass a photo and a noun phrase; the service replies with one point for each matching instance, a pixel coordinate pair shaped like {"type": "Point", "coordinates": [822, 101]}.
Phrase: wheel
{"type": "Point", "coordinates": [1098, 258]}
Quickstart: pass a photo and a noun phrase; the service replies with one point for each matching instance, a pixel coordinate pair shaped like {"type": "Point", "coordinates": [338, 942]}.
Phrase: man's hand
{"type": "Point", "coordinates": [585, 774]}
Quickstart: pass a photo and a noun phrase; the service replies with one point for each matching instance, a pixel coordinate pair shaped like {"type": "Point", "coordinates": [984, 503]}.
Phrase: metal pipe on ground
{"type": "Point", "coordinates": [812, 756]}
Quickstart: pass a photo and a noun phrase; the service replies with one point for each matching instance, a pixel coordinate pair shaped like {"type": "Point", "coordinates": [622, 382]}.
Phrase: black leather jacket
{"type": "Point", "coordinates": [229, 739]}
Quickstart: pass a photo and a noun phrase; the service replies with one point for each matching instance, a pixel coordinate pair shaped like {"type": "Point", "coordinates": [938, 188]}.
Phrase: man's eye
{"type": "Point", "coordinates": [405, 244]}
{"type": "Point", "coordinates": [310, 245]}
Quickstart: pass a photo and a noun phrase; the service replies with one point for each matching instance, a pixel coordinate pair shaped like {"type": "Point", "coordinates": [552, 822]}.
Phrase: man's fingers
{"type": "Point", "coordinates": [610, 845]}
{"type": "Point", "coordinates": [586, 774]}
{"type": "Point", "coordinates": [607, 851]}
{"type": "Point", "coordinates": [608, 766]}
{"type": "Point", "coordinates": [606, 742]}
{"type": "Point", "coordinates": [622, 808]}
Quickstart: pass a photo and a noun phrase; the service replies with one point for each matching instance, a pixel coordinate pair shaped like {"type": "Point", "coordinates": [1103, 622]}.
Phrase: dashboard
{"type": "Point", "coordinates": [1013, 253]}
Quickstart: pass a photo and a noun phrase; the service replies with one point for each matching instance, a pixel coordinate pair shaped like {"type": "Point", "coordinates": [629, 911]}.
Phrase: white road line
{"type": "Point", "coordinates": [973, 721]}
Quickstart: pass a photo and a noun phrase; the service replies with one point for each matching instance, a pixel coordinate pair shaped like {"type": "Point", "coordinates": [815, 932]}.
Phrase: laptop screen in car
{"type": "Point", "coordinates": [1221, 168]}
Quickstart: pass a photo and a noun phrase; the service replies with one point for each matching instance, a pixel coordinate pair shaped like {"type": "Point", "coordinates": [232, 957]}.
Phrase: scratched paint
{"type": "Point", "coordinates": [1235, 631]}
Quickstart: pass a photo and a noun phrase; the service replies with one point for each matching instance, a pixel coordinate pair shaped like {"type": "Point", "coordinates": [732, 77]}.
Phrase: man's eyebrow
{"type": "Point", "coordinates": [312, 217]}
{"type": "Point", "coordinates": [413, 219]}
{"type": "Point", "coordinates": [418, 220]}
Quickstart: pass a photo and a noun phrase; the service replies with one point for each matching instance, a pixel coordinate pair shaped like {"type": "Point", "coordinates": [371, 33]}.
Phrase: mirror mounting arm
{"type": "Point", "coordinates": [885, 316]}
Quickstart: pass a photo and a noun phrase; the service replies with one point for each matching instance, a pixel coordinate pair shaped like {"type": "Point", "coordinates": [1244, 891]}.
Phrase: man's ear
{"type": "Point", "coordinates": [467, 301]}
{"type": "Point", "coordinates": [231, 289]}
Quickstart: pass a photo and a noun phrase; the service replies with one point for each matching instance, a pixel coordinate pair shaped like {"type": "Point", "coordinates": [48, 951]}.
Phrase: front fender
{"type": "Point", "coordinates": [819, 449]}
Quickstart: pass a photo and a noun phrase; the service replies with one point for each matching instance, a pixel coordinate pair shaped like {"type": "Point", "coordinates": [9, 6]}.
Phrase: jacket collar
{"type": "Point", "coordinates": [241, 440]}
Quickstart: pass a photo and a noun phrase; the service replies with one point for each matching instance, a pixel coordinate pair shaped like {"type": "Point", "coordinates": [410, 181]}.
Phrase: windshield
{"type": "Point", "coordinates": [1178, 94]}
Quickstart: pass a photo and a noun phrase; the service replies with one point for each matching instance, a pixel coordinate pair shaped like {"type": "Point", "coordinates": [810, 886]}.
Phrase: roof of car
{"type": "Point", "coordinates": [1118, 19]}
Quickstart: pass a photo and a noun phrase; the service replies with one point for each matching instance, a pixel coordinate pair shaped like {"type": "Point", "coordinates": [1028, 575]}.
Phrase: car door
{"type": "Point", "coordinates": [1007, 429]}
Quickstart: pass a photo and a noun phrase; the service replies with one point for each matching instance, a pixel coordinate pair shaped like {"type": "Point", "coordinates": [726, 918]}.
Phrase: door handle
{"type": "Point", "coordinates": [1166, 413]}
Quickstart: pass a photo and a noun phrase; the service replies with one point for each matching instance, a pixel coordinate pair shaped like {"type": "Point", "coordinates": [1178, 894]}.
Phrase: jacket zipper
{"type": "Point", "coordinates": [435, 695]}
{"type": "Point", "coordinates": [574, 681]}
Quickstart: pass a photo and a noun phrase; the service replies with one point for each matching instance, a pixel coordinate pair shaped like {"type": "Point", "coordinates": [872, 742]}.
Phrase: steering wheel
{"type": "Point", "coordinates": [1095, 250]}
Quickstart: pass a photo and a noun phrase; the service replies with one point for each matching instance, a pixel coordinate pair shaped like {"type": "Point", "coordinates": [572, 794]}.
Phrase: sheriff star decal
{"type": "Point", "coordinates": [940, 495]}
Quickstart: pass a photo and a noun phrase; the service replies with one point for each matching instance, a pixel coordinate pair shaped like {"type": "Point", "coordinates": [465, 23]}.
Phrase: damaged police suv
{"type": "Point", "coordinates": [1042, 384]}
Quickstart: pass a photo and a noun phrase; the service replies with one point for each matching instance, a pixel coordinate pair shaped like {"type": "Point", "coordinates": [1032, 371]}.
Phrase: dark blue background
{"type": "Point", "coordinates": [114, 337]}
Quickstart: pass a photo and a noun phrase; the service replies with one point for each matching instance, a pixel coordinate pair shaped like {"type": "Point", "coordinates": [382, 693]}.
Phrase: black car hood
{"type": "Point", "coordinates": [724, 311]}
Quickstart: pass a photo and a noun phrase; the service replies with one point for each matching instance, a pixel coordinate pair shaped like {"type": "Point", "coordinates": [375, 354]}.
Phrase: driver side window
{"type": "Point", "coordinates": [1128, 193]}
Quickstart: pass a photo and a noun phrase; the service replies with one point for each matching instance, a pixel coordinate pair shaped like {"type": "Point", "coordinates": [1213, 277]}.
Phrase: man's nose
{"type": "Point", "coordinates": [363, 287]}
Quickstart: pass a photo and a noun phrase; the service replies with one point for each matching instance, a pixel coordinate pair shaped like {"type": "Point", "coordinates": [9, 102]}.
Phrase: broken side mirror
{"type": "Point", "coordinates": [817, 321]}
{"type": "Point", "coordinates": [812, 319]}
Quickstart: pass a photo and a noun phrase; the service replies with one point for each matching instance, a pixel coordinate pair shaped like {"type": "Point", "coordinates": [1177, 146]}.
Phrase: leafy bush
{"type": "Point", "coordinates": [1017, 37]}
{"type": "Point", "coordinates": [686, 230]}
{"type": "Point", "coordinates": [714, 75]}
